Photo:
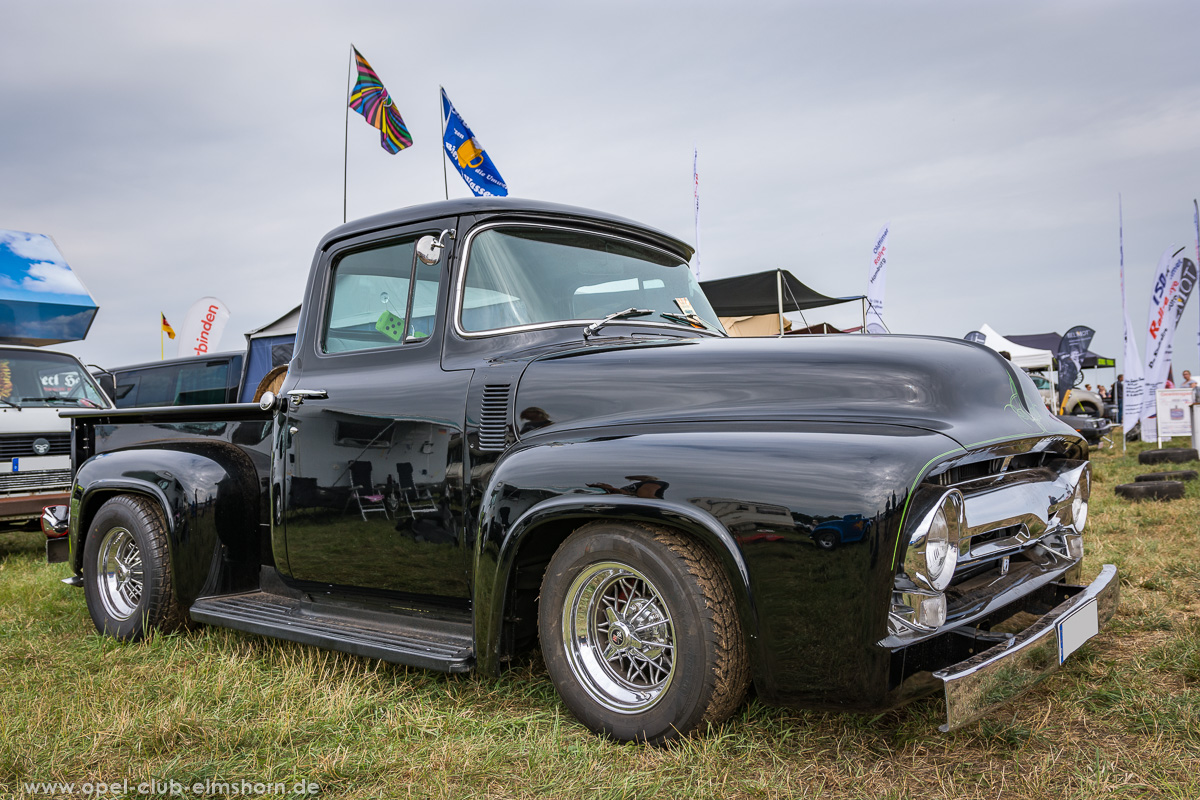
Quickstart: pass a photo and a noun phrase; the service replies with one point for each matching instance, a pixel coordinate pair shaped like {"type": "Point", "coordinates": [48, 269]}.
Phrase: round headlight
{"type": "Point", "coordinates": [937, 549]}
{"type": "Point", "coordinates": [1079, 500]}
{"type": "Point", "coordinates": [933, 549]}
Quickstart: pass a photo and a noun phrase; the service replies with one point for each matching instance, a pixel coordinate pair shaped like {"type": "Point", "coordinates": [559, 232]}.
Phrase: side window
{"type": "Point", "coordinates": [156, 387]}
{"type": "Point", "coordinates": [201, 384]}
{"type": "Point", "coordinates": [375, 301]}
{"type": "Point", "coordinates": [424, 303]}
{"type": "Point", "coordinates": [125, 390]}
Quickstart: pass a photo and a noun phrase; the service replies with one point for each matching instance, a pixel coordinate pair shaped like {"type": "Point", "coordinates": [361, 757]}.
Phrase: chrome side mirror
{"type": "Point", "coordinates": [429, 249]}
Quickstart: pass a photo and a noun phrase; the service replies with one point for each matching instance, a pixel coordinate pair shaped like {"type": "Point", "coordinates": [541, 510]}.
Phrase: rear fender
{"type": "Point", "coordinates": [209, 499]}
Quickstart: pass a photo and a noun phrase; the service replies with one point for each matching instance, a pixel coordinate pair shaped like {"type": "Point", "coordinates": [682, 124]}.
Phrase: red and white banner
{"type": "Point", "coordinates": [202, 327]}
{"type": "Point", "coordinates": [1173, 283]}
{"type": "Point", "coordinates": [877, 282]}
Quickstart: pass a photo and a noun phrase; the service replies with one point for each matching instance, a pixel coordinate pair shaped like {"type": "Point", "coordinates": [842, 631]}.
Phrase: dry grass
{"type": "Point", "coordinates": [1121, 720]}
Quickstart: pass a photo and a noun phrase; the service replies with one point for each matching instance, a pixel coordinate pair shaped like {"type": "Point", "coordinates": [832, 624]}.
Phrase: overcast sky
{"type": "Point", "coordinates": [176, 150]}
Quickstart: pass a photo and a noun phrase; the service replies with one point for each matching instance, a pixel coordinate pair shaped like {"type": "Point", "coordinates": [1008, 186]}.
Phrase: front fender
{"type": "Point", "coordinates": [209, 499]}
{"type": "Point", "coordinates": [753, 493]}
{"type": "Point", "coordinates": [495, 561]}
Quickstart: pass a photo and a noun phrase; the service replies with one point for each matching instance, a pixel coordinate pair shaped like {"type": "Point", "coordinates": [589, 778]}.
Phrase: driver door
{"type": "Point", "coordinates": [373, 484]}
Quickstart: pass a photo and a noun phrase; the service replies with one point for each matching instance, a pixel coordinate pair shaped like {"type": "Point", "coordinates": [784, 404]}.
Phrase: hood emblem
{"type": "Point", "coordinates": [41, 446]}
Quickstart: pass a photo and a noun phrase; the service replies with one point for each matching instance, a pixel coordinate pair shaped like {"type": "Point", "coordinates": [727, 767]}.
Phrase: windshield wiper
{"type": "Point", "coordinates": [10, 403]}
{"type": "Point", "coordinates": [695, 321]}
{"type": "Point", "coordinates": [49, 398]}
{"type": "Point", "coordinates": [595, 327]}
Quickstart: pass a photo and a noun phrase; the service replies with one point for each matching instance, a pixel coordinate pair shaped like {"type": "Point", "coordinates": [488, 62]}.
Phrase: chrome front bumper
{"type": "Point", "coordinates": [981, 683]}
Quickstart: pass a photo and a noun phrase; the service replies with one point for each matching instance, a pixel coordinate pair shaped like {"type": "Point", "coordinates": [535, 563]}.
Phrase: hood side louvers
{"type": "Point", "coordinates": [493, 417]}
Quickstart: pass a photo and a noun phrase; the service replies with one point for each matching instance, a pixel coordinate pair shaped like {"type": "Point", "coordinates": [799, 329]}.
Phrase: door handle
{"type": "Point", "coordinates": [298, 396]}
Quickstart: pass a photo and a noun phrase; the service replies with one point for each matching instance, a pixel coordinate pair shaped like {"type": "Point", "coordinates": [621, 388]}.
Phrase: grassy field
{"type": "Point", "coordinates": [1121, 719]}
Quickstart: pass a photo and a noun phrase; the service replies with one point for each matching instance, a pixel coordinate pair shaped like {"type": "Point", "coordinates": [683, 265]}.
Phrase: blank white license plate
{"type": "Point", "coordinates": [1073, 630]}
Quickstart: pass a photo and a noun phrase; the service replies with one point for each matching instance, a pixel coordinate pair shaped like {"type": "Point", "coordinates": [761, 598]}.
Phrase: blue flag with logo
{"type": "Point", "coordinates": [465, 153]}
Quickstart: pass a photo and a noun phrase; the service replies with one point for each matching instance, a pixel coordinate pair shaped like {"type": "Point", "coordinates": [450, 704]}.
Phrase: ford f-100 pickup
{"type": "Point", "coordinates": [510, 424]}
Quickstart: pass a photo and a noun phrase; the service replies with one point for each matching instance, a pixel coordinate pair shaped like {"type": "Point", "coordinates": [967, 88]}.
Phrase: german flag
{"type": "Point", "coordinates": [166, 326]}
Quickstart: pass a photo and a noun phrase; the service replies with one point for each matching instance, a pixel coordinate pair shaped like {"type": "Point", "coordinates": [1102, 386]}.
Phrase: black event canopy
{"type": "Point", "coordinates": [751, 295]}
{"type": "Point", "coordinates": [1049, 341]}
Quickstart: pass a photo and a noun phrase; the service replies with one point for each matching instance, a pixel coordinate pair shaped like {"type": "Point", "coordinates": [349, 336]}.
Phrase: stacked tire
{"type": "Point", "coordinates": [1162, 486]}
{"type": "Point", "coordinates": [1168, 455]}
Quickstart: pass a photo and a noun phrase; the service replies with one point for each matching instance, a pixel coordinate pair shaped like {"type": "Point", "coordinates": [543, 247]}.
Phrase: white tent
{"type": "Point", "coordinates": [1023, 357]}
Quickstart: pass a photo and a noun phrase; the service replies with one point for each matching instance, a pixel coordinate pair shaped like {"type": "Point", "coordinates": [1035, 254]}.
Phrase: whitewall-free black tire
{"type": "Point", "coordinates": [126, 570]}
{"type": "Point", "coordinates": [640, 633]}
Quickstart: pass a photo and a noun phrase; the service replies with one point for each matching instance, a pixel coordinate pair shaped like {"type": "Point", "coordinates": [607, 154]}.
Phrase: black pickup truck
{"type": "Point", "coordinates": [511, 424]}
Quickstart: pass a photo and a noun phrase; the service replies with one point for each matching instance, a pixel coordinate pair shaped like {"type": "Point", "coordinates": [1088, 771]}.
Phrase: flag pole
{"type": "Point", "coordinates": [779, 296]}
{"type": "Point", "coordinates": [442, 146]}
{"type": "Point", "coordinates": [696, 201]}
{"type": "Point", "coordinates": [1119, 386]}
{"type": "Point", "coordinates": [1196, 220]}
{"type": "Point", "coordinates": [346, 132]}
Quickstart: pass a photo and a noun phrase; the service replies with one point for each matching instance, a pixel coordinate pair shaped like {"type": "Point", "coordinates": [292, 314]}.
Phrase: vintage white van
{"type": "Point", "coordinates": [35, 443]}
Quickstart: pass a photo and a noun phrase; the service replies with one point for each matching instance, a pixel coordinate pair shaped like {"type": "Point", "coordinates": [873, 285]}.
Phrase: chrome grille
{"type": "Point", "coordinates": [989, 468]}
{"type": "Point", "coordinates": [1018, 531]}
{"type": "Point", "coordinates": [13, 482]}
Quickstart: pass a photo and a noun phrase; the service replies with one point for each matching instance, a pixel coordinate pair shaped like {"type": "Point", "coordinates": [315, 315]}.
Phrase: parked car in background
{"type": "Point", "coordinates": [1079, 402]}
{"type": "Point", "coordinates": [191, 381]}
{"type": "Point", "coordinates": [1084, 411]}
{"type": "Point", "coordinates": [1093, 429]}
{"type": "Point", "coordinates": [35, 443]}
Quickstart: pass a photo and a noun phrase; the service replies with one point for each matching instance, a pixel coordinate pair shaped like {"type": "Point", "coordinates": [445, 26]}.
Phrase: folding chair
{"type": "Point", "coordinates": [363, 491]}
{"type": "Point", "coordinates": [419, 501]}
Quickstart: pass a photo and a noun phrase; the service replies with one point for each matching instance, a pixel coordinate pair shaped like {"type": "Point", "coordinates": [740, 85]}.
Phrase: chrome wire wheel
{"type": "Point", "coordinates": [119, 573]}
{"type": "Point", "coordinates": [619, 638]}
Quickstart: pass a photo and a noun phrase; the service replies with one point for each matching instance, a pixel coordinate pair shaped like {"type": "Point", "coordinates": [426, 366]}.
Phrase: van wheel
{"type": "Point", "coordinates": [126, 570]}
{"type": "Point", "coordinates": [640, 634]}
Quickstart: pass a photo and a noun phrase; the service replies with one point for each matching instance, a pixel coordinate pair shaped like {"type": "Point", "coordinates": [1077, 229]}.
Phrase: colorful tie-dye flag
{"type": "Point", "coordinates": [370, 99]}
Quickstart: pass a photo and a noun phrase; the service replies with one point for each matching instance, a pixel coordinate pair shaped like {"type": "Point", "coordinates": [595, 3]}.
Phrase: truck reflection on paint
{"type": "Point", "coordinates": [850, 528]}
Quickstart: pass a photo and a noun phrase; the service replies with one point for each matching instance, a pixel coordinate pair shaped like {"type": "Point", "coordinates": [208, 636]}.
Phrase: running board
{"type": "Point", "coordinates": [400, 638]}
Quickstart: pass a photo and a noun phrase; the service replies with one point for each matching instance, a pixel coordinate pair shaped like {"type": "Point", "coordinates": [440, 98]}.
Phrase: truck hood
{"type": "Point", "coordinates": [965, 391]}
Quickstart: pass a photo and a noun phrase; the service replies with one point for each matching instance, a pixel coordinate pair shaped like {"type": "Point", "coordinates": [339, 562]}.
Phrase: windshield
{"type": "Point", "coordinates": [529, 275]}
{"type": "Point", "coordinates": [31, 378]}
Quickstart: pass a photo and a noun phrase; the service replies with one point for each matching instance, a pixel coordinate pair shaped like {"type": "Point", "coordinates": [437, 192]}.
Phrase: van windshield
{"type": "Point", "coordinates": [34, 379]}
